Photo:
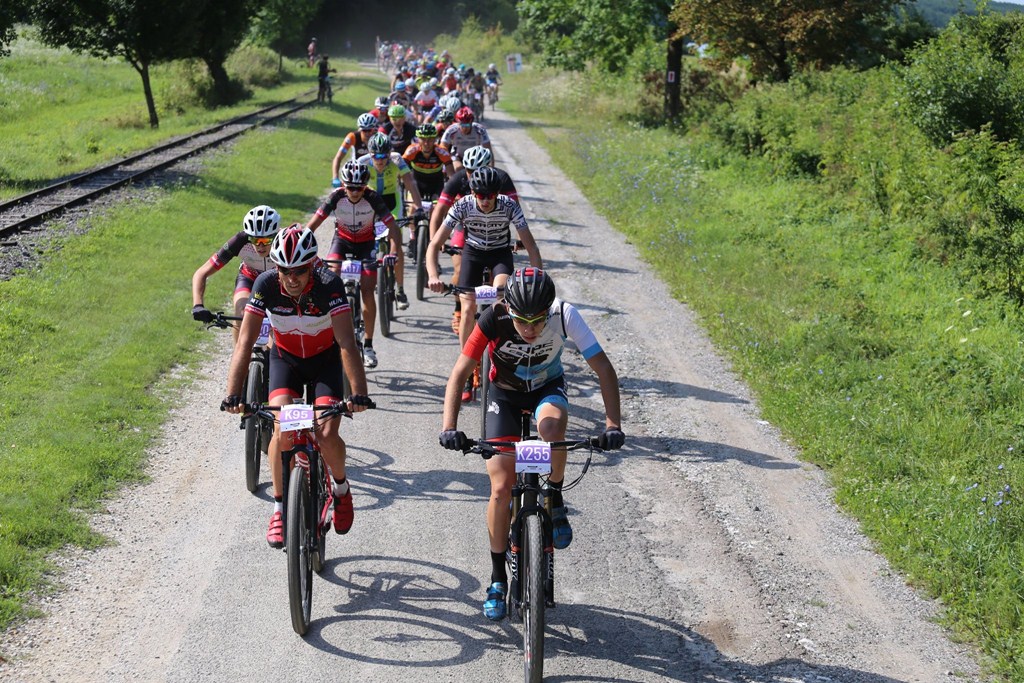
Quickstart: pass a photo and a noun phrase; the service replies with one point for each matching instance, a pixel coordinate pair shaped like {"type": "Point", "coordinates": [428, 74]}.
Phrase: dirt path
{"type": "Point", "coordinates": [705, 551]}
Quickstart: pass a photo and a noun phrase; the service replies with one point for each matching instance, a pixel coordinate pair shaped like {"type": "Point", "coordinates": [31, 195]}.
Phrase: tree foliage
{"type": "Point", "coordinates": [569, 34]}
{"type": "Point", "coordinates": [780, 36]}
{"type": "Point", "coordinates": [281, 24]}
{"type": "Point", "coordinates": [11, 12]}
{"type": "Point", "coordinates": [218, 27]}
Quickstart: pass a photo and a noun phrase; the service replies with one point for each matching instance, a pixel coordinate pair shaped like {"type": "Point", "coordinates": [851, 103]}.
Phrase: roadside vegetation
{"type": "Point", "coordinates": [854, 242]}
{"type": "Point", "coordinates": [87, 340]}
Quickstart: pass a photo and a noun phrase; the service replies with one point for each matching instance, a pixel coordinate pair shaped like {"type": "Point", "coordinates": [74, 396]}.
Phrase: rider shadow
{"type": "Point", "coordinates": [414, 392]}
{"type": "Point", "coordinates": [696, 450]}
{"type": "Point", "coordinates": [589, 266]}
{"type": "Point", "coordinates": [655, 645]}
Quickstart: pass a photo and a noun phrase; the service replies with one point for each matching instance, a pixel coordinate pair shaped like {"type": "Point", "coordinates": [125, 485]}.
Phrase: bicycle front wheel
{"type": "Point", "coordinates": [384, 313]}
{"type": "Point", "coordinates": [255, 392]}
{"type": "Point", "coordinates": [485, 385]}
{"type": "Point", "coordinates": [298, 537]}
{"type": "Point", "coordinates": [533, 595]}
{"type": "Point", "coordinates": [422, 240]}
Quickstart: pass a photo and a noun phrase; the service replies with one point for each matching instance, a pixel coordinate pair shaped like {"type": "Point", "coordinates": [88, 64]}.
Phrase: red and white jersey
{"type": "Point", "coordinates": [301, 326]}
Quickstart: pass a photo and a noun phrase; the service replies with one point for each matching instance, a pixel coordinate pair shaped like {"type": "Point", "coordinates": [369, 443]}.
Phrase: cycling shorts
{"type": "Point", "coordinates": [289, 374]}
{"type": "Point", "coordinates": [474, 261]}
{"type": "Point", "coordinates": [505, 407]}
{"type": "Point", "coordinates": [243, 284]}
{"type": "Point", "coordinates": [364, 251]}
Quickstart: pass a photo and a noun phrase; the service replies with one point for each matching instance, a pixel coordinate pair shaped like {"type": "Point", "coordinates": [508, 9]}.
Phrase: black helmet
{"type": "Point", "coordinates": [485, 181]}
{"type": "Point", "coordinates": [529, 292]}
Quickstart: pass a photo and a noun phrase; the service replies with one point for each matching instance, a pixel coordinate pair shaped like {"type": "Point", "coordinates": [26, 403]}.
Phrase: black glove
{"type": "Point", "coordinates": [453, 440]}
{"type": "Point", "coordinates": [231, 401]}
{"type": "Point", "coordinates": [200, 313]}
{"type": "Point", "coordinates": [360, 400]}
{"type": "Point", "coordinates": [611, 440]}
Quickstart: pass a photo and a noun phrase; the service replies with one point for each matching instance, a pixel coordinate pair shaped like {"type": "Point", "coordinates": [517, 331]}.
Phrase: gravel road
{"type": "Point", "coordinates": [705, 551]}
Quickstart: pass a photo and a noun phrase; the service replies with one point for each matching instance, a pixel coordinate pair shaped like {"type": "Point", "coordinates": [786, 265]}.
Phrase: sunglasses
{"type": "Point", "coordinates": [355, 188]}
{"type": "Point", "coordinates": [261, 241]}
{"type": "Point", "coordinates": [380, 156]}
{"type": "Point", "coordinates": [529, 321]}
{"type": "Point", "coordinates": [301, 270]}
{"type": "Point", "coordinates": [489, 195]}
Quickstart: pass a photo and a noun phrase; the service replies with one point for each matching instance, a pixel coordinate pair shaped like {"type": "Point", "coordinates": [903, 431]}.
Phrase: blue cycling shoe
{"type": "Point", "coordinates": [494, 606]}
{"type": "Point", "coordinates": [561, 531]}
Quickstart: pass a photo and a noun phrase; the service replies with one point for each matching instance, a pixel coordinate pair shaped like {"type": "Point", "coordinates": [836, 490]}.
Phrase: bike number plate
{"type": "Point", "coordinates": [295, 417]}
{"type": "Point", "coordinates": [533, 456]}
{"type": "Point", "coordinates": [351, 270]}
{"type": "Point", "coordinates": [486, 295]}
{"type": "Point", "coordinates": [427, 207]}
{"type": "Point", "coordinates": [264, 333]}
{"type": "Point", "coordinates": [380, 231]}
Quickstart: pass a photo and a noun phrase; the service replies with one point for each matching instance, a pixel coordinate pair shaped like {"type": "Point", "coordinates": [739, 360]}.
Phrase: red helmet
{"type": "Point", "coordinates": [464, 115]}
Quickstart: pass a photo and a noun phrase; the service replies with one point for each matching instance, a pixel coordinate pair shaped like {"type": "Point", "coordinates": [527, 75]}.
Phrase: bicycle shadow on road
{"type": "Point", "coordinates": [652, 644]}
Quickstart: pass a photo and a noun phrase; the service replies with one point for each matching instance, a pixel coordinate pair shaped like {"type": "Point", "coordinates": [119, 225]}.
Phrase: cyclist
{"type": "Point", "coordinates": [311, 52]}
{"type": "Point", "coordinates": [457, 139]}
{"type": "Point", "coordinates": [355, 211]}
{"type": "Point", "coordinates": [484, 218]}
{"type": "Point", "coordinates": [430, 165]}
{"type": "Point", "coordinates": [252, 246]}
{"type": "Point", "coordinates": [400, 95]}
{"type": "Point", "coordinates": [311, 322]}
{"type": "Point", "coordinates": [525, 335]}
{"type": "Point", "coordinates": [367, 125]}
{"type": "Point", "coordinates": [426, 99]}
{"type": "Point", "coordinates": [400, 131]}
{"type": "Point", "coordinates": [456, 187]}
{"type": "Point", "coordinates": [493, 80]}
{"type": "Point", "coordinates": [324, 69]}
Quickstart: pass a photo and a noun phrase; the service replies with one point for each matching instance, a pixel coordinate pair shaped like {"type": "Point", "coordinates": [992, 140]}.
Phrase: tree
{"type": "Point", "coordinates": [217, 28]}
{"type": "Point", "coordinates": [778, 36]}
{"type": "Point", "coordinates": [11, 12]}
{"type": "Point", "coordinates": [280, 24]}
{"type": "Point", "coordinates": [572, 33]}
{"type": "Point", "coordinates": [143, 32]}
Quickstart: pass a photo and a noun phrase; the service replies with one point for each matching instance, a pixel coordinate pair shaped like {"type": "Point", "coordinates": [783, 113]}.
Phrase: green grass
{"type": "Point", "coordinates": [61, 113]}
{"type": "Point", "coordinates": [85, 339]}
{"type": "Point", "coordinates": [907, 390]}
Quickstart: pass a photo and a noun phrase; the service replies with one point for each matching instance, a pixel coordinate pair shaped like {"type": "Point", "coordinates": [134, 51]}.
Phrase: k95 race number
{"type": "Point", "coordinates": [296, 416]}
{"type": "Point", "coordinates": [533, 456]}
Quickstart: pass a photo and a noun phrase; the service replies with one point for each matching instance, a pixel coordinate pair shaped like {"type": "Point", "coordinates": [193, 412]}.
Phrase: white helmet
{"type": "Point", "coordinates": [293, 247]}
{"type": "Point", "coordinates": [261, 221]}
{"type": "Point", "coordinates": [491, 67]}
{"type": "Point", "coordinates": [476, 157]}
{"type": "Point", "coordinates": [410, 83]}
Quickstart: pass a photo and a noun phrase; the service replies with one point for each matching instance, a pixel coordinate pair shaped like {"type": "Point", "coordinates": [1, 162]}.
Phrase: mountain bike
{"type": "Point", "coordinates": [351, 272]}
{"type": "Point", "coordinates": [492, 94]}
{"type": "Point", "coordinates": [257, 431]}
{"type": "Point", "coordinates": [422, 240]}
{"type": "Point", "coordinates": [308, 499]}
{"type": "Point", "coordinates": [531, 553]}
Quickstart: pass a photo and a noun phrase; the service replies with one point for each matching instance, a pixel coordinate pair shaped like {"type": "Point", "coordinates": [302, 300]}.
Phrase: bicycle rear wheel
{"type": "Point", "coordinates": [533, 609]}
{"type": "Point", "coordinates": [255, 392]}
{"type": "Point", "coordinates": [298, 537]}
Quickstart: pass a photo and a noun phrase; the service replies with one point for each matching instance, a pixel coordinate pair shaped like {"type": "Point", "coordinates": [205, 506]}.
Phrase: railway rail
{"type": "Point", "coordinates": [34, 207]}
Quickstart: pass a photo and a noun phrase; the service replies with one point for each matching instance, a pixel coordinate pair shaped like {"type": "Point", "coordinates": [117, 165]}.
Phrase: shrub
{"type": "Point", "coordinates": [255, 66]}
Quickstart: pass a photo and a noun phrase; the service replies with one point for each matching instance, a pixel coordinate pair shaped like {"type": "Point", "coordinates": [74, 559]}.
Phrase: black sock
{"type": "Point", "coordinates": [458, 305]}
{"type": "Point", "coordinates": [553, 490]}
{"type": "Point", "coordinates": [367, 343]}
{"type": "Point", "coordinates": [498, 573]}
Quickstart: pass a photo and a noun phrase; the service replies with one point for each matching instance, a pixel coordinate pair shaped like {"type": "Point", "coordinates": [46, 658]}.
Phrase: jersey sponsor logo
{"type": "Point", "coordinates": [526, 351]}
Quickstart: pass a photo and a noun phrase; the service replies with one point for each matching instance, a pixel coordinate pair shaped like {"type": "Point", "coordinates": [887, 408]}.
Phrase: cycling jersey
{"type": "Point", "coordinates": [486, 231]}
{"type": "Point", "coordinates": [492, 76]}
{"type": "Point", "coordinates": [252, 263]}
{"type": "Point", "coordinates": [399, 97]}
{"type": "Point", "coordinates": [386, 182]}
{"type": "Point", "coordinates": [427, 169]}
{"type": "Point", "coordinates": [426, 99]}
{"type": "Point", "coordinates": [301, 327]}
{"type": "Point", "coordinates": [354, 141]}
{"type": "Point", "coordinates": [400, 138]}
{"type": "Point", "coordinates": [458, 186]}
{"type": "Point", "coordinates": [457, 142]}
{"type": "Point", "coordinates": [354, 221]}
{"type": "Point", "coordinates": [520, 366]}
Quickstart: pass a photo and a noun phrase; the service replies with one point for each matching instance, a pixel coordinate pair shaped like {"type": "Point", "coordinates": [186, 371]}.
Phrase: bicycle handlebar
{"type": "Point", "coordinates": [326, 411]}
{"type": "Point", "coordinates": [490, 447]}
{"type": "Point", "coordinates": [222, 321]}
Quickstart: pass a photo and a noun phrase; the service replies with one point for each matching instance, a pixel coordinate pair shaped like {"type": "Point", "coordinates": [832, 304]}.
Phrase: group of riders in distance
{"type": "Point", "coordinates": [420, 150]}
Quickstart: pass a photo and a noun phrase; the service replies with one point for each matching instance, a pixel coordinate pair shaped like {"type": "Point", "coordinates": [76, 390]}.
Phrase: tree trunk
{"type": "Point", "coordinates": [221, 81]}
{"type": "Point", "coordinates": [147, 88]}
{"type": "Point", "coordinates": [673, 74]}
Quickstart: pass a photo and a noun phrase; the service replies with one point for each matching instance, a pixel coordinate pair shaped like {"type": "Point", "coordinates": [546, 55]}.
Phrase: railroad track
{"type": "Point", "coordinates": [34, 207]}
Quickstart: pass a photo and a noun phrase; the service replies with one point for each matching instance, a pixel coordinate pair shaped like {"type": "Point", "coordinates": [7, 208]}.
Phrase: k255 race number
{"type": "Point", "coordinates": [533, 456]}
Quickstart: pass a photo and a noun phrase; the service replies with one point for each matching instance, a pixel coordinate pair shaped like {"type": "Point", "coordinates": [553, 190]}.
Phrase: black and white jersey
{"type": "Point", "coordinates": [486, 231]}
